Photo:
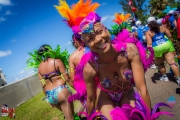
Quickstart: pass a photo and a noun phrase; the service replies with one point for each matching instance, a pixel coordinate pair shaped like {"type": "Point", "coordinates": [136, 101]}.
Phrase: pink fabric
{"type": "Point", "coordinates": [178, 27]}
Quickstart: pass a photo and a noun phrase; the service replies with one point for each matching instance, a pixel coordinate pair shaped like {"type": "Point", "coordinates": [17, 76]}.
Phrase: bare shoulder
{"type": "Point", "coordinates": [162, 29]}
{"type": "Point", "coordinates": [72, 56]}
{"type": "Point", "coordinates": [89, 71]}
{"type": "Point", "coordinates": [59, 62]}
{"type": "Point", "coordinates": [148, 32]}
{"type": "Point", "coordinates": [132, 50]}
{"type": "Point", "coordinates": [131, 46]}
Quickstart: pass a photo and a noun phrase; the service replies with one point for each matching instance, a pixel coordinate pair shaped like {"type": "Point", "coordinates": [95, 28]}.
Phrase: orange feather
{"type": "Point", "coordinates": [78, 10]}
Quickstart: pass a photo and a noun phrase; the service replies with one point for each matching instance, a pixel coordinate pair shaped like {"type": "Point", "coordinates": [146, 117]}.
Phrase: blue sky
{"type": "Point", "coordinates": [27, 24]}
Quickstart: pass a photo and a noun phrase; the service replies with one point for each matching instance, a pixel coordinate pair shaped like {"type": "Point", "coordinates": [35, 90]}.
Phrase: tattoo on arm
{"type": "Point", "coordinates": [132, 54]}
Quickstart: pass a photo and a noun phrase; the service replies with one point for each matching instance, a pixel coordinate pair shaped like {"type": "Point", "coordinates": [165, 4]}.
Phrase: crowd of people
{"type": "Point", "coordinates": [103, 70]}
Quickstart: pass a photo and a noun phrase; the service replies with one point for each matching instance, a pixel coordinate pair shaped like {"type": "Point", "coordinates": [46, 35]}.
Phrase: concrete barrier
{"type": "Point", "coordinates": [18, 92]}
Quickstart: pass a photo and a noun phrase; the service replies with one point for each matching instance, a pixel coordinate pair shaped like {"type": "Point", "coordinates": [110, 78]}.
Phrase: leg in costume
{"type": "Point", "coordinates": [160, 64]}
{"type": "Point", "coordinates": [160, 51]}
{"type": "Point", "coordinates": [108, 101]}
{"type": "Point", "coordinates": [128, 97]}
{"type": "Point", "coordinates": [178, 48]}
{"type": "Point", "coordinates": [105, 104]}
{"type": "Point", "coordinates": [66, 107]}
{"type": "Point", "coordinates": [170, 60]}
{"type": "Point", "coordinates": [59, 98]}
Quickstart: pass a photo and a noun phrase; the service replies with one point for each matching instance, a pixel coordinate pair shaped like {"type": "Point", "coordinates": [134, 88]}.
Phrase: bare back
{"type": "Point", "coordinates": [74, 60]}
{"type": "Point", "coordinates": [163, 29]}
{"type": "Point", "coordinates": [50, 69]}
{"type": "Point", "coordinates": [76, 56]}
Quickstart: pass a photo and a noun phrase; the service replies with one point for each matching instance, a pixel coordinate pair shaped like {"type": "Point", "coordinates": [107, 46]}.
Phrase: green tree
{"type": "Point", "coordinates": [157, 6]}
{"type": "Point", "coordinates": [142, 10]}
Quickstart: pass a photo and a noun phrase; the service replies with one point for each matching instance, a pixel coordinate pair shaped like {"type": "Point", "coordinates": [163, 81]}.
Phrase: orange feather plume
{"type": "Point", "coordinates": [120, 18]}
{"type": "Point", "coordinates": [77, 12]}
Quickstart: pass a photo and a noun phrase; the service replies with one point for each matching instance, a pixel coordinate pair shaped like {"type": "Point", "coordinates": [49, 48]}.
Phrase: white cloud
{"type": "Point", "coordinates": [68, 43]}
{"type": "Point", "coordinates": [112, 17]}
{"type": "Point", "coordinates": [5, 53]}
{"type": "Point", "coordinates": [103, 4]}
{"type": "Point", "coordinates": [22, 72]}
{"type": "Point", "coordinates": [104, 18]}
{"type": "Point", "coordinates": [5, 2]}
{"type": "Point", "coordinates": [8, 12]}
{"type": "Point", "coordinates": [13, 40]}
{"type": "Point", "coordinates": [2, 19]}
{"type": "Point", "coordinates": [107, 18]}
{"type": "Point", "coordinates": [21, 75]}
{"type": "Point", "coordinates": [27, 58]}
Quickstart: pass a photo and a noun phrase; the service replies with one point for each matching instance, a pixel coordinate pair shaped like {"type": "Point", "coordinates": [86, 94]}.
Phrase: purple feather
{"type": "Point", "coordinates": [156, 115]}
{"type": "Point", "coordinates": [159, 105]}
{"type": "Point", "coordinates": [137, 114]}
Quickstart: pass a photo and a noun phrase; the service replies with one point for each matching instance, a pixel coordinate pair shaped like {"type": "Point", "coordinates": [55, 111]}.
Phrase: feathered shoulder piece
{"type": "Point", "coordinates": [35, 59]}
{"type": "Point", "coordinates": [77, 12]}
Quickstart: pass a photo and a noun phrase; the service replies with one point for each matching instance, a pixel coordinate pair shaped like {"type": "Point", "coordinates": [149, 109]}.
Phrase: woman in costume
{"type": "Point", "coordinates": [73, 19]}
{"type": "Point", "coordinates": [75, 57]}
{"type": "Point", "coordinates": [163, 49]}
{"type": "Point", "coordinates": [52, 73]}
{"type": "Point", "coordinates": [107, 70]}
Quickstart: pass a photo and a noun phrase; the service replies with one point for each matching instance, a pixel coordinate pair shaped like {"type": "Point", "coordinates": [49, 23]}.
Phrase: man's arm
{"type": "Point", "coordinates": [89, 75]}
{"type": "Point", "coordinates": [138, 73]}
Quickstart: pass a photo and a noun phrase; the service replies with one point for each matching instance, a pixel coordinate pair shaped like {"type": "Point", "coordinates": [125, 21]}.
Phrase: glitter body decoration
{"type": "Point", "coordinates": [106, 83]}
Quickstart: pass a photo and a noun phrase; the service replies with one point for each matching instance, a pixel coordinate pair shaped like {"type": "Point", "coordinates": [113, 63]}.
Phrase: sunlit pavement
{"type": "Point", "coordinates": [160, 91]}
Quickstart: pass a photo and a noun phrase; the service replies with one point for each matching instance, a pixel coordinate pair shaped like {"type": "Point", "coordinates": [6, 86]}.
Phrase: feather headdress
{"type": "Point", "coordinates": [121, 23]}
{"type": "Point", "coordinates": [120, 18]}
{"type": "Point", "coordinates": [35, 59]}
{"type": "Point", "coordinates": [76, 13]}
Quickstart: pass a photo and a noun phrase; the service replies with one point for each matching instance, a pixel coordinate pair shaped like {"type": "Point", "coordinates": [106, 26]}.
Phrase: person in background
{"type": "Point", "coordinates": [163, 49]}
{"type": "Point", "coordinates": [53, 76]}
{"type": "Point", "coordinates": [75, 57]}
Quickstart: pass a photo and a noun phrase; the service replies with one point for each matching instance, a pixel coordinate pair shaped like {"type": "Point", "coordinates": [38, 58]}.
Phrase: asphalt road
{"type": "Point", "coordinates": [160, 91]}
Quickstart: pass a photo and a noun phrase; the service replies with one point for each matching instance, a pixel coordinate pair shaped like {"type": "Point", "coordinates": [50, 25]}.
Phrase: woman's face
{"type": "Point", "coordinates": [99, 41]}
